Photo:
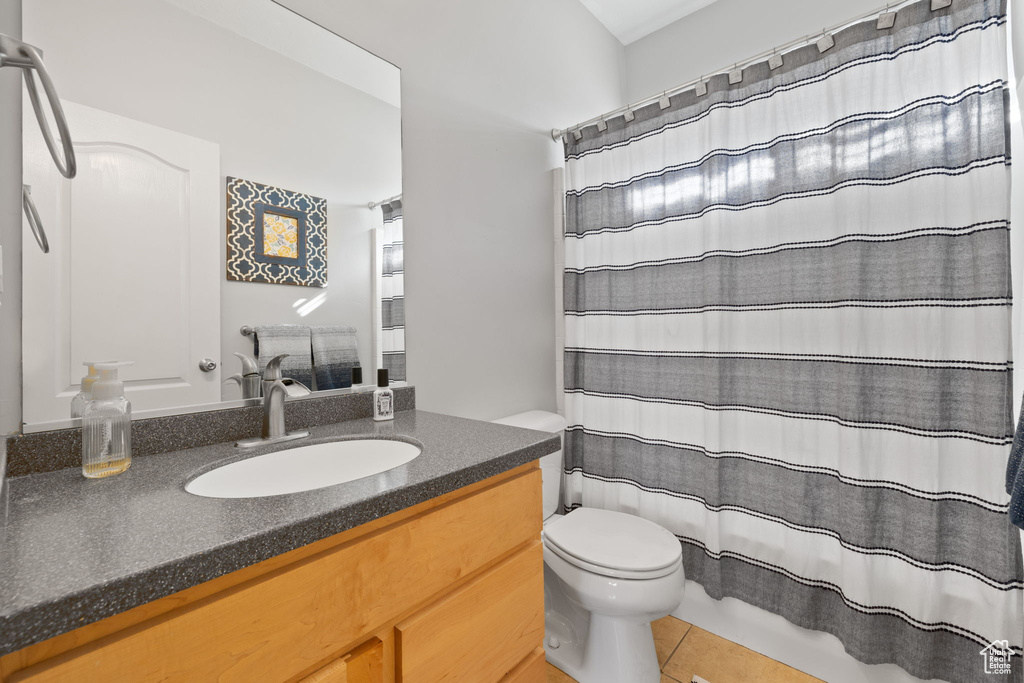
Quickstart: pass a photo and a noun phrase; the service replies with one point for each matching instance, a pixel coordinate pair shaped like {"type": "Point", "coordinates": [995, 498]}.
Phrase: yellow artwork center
{"type": "Point", "coordinates": [280, 236]}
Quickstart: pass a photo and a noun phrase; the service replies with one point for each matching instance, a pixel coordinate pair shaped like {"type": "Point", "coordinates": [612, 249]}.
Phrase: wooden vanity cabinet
{"type": "Point", "coordinates": [451, 589]}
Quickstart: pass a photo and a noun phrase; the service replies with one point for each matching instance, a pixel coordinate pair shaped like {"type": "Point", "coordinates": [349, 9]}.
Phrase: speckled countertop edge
{"type": "Point", "coordinates": [30, 621]}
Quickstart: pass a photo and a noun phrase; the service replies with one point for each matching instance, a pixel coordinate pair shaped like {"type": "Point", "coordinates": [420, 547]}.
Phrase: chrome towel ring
{"type": "Point", "coordinates": [33, 218]}
{"type": "Point", "coordinates": [14, 52]}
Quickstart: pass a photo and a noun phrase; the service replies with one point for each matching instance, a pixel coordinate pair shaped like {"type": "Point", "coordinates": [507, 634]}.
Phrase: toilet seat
{"type": "Point", "coordinates": [613, 573]}
{"type": "Point", "coordinates": [613, 544]}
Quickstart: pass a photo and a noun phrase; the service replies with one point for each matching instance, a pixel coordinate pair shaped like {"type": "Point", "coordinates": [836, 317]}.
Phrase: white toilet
{"type": "Point", "coordinates": [607, 576]}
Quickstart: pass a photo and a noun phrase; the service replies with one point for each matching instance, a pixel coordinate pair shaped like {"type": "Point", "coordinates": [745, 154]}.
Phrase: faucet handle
{"type": "Point", "coordinates": [249, 366]}
{"type": "Point", "coordinates": [273, 369]}
{"type": "Point", "coordinates": [294, 388]}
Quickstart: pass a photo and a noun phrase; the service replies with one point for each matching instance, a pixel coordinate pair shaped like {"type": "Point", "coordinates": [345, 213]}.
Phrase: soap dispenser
{"type": "Point", "coordinates": [83, 397]}
{"type": "Point", "coordinates": [383, 398]}
{"type": "Point", "coordinates": [107, 425]}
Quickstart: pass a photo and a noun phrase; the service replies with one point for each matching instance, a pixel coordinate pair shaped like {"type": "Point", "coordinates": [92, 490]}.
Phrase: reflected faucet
{"type": "Point", "coordinates": [249, 379]}
{"type": "Point", "coordinates": [276, 389]}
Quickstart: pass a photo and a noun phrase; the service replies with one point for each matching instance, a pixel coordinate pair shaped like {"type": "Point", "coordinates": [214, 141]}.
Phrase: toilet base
{"type": "Point", "coordinates": [616, 649]}
{"type": "Point", "coordinates": [599, 648]}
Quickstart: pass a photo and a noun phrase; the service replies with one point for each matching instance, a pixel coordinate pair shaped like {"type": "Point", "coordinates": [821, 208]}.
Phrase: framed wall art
{"type": "Point", "coordinates": [275, 235]}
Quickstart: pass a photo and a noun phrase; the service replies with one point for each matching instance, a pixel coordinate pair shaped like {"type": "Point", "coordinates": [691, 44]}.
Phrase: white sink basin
{"type": "Point", "coordinates": [303, 469]}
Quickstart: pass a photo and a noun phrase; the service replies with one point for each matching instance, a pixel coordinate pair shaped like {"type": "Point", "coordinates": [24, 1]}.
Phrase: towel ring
{"type": "Point", "coordinates": [32, 216]}
{"type": "Point", "coordinates": [14, 52]}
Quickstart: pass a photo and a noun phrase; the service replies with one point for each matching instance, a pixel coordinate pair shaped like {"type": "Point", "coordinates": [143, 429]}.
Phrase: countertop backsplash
{"type": "Point", "coordinates": [62, 448]}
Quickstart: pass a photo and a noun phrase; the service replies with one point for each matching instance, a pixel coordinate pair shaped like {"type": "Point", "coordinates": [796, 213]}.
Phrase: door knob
{"type": "Point", "coordinates": [207, 365]}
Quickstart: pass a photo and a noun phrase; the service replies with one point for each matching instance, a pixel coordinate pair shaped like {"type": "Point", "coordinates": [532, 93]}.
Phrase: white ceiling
{"type": "Point", "coordinates": [630, 20]}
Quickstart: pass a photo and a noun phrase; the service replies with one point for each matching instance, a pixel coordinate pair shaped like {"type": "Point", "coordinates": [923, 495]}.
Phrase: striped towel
{"type": "Point", "coordinates": [335, 353]}
{"type": "Point", "coordinates": [273, 340]}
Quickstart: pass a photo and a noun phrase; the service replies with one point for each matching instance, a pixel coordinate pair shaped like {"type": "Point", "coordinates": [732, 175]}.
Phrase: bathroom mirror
{"type": "Point", "coordinates": [153, 246]}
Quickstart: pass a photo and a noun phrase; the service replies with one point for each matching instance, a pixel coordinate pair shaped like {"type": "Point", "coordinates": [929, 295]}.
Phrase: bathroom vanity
{"type": "Point", "coordinates": [430, 571]}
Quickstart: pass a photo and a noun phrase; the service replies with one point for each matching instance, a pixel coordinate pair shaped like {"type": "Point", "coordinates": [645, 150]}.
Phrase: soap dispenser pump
{"type": "Point", "coordinates": [107, 425]}
{"type": "Point", "coordinates": [83, 397]}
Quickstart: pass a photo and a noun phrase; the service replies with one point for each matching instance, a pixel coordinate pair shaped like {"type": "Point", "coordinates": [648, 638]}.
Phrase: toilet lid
{"type": "Point", "coordinates": [613, 540]}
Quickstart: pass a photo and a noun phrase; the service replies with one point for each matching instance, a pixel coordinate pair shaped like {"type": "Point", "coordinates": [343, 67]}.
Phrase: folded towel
{"type": "Point", "coordinates": [1015, 474]}
{"type": "Point", "coordinates": [335, 353]}
{"type": "Point", "coordinates": [273, 340]}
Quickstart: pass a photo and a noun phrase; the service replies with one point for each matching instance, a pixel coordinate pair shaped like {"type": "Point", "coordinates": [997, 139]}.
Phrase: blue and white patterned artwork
{"type": "Point", "coordinates": [276, 236]}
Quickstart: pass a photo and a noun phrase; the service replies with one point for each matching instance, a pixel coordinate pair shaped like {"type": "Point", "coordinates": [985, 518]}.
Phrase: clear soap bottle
{"type": "Point", "coordinates": [83, 397]}
{"type": "Point", "coordinates": [383, 398]}
{"type": "Point", "coordinates": [107, 425]}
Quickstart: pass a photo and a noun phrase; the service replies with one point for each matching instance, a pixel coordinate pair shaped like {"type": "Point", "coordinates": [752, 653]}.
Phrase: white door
{"type": "Point", "coordinates": [134, 266]}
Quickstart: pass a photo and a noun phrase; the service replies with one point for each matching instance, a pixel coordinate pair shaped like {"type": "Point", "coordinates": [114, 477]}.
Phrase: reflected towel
{"type": "Point", "coordinates": [1015, 474]}
{"type": "Point", "coordinates": [335, 353]}
{"type": "Point", "coordinates": [273, 340]}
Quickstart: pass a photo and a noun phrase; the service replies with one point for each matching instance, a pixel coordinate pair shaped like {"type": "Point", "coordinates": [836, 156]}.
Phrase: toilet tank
{"type": "Point", "coordinates": [550, 465]}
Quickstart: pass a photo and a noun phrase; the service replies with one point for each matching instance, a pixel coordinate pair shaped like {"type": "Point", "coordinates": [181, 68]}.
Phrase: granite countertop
{"type": "Point", "coordinates": [76, 550]}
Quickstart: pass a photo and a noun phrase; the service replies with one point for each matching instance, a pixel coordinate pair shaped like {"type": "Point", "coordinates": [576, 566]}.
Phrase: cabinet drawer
{"type": "Point", "coordinates": [365, 664]}
{"type": "Point", "coordinates": [284, 623]}
{"type": "Point", "coordinates": [335, 672]}
{"type": "Point", "coordinates": [481, 631]}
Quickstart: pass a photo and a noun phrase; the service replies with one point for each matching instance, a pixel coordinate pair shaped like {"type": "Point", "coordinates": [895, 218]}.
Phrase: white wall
{"type": "Point", "coordinates": [725, 32]}
{"type": "Point", "coordinates": [482, 84]}
{"type": "Point", "coordinates": [277, 122]}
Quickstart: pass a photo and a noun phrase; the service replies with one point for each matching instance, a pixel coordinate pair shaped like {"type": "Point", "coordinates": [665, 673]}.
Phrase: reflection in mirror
{"type": "Point", "coordinates": [392, 290]}
{"type": "Point", "coordinates": [228, 154]}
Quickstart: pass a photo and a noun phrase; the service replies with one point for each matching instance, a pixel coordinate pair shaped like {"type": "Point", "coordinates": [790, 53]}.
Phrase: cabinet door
{"type": "Point", "coordinates": [481, 631]}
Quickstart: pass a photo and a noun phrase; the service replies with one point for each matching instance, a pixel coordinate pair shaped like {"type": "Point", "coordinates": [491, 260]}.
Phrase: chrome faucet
{"type": "Point", "coordinates": [249, 379]}
{"type": "Point", "coordinates": [276, 389]}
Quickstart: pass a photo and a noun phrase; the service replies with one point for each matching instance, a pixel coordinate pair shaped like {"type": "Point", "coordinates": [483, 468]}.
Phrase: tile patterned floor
{"type": "Point", "coordinates": [685, 650]}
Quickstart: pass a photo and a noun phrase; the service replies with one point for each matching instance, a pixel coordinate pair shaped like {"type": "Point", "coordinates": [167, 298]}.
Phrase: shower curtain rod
{"type": "Point", "coordinates": [374, 205]}
{"type": "Point", "coordinates": [892, 7]}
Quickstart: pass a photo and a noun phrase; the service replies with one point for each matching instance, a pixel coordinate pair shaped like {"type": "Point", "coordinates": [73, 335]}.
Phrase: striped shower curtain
{"type": "Point", "coordinates": [788, 336]}
{"type": "Point", "coordinates": [392, 293]}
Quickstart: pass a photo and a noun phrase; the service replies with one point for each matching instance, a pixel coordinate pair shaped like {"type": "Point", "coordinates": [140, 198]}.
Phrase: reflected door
{"type": "Point", "coordinates": [134, 267]}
